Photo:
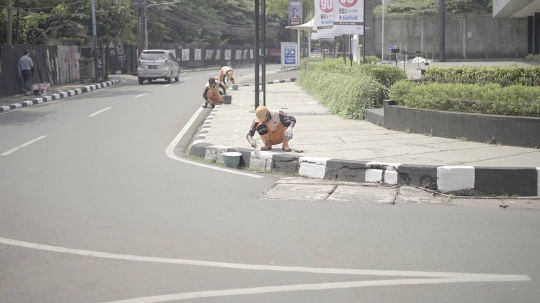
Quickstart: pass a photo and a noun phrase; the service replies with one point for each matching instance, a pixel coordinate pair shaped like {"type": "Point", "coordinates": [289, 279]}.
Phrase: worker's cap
{"type": "Point", "coordinates": [229, 74]}
{"type": "Point", "coordinates": [261, 112]}
{"type": "Point", "coordinates": [212, 80]}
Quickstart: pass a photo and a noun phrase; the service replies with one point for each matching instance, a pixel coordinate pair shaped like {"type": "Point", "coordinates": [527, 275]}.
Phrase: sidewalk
{"type": "Point", "coordinates": [56, 92]}
{"type": "Point", "coordinates": [352, 150]}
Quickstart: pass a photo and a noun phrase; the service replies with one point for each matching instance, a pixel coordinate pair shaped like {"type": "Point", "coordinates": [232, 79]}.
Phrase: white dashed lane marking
{"type": "Point", "coordinates": [99, 112]}
{"type": "Point", "coordinates": [21, 146]}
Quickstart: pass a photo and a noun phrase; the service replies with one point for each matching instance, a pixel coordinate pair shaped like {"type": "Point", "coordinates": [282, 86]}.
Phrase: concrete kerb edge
{"type": "Point", "coordinates": [445, 179]}
{"type": "Point", "coordinates": [275, 82]}
{"type": "Point", "coordinates": [58, 96]}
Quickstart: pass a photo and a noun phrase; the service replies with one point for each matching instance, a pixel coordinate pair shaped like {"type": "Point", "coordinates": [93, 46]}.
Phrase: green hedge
{"type": "Point", "coordinates": [385, 75]}
{"type": "Point", "coordinates": [532, 58]}
{"type": "Point", "coordinates": [515, 100]}
{"type": "Point", "coordinates": [504, 76]}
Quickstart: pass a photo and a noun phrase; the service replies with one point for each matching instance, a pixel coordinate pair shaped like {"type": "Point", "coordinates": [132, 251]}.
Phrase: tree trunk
{"type": "Point", "coordinates": [104, 72]}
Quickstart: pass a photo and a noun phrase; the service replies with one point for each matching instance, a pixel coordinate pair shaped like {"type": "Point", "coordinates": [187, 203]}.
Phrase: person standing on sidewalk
{"type": "Point", "coordinates": [211, 93]}
{"type": "Point", "coordinates": [273, 126]}
{"type": "Point", "coordinates": [26, 65]}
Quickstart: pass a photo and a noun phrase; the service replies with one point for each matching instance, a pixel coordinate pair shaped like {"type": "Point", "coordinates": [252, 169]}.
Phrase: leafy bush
{"type": "Point", "coordinates": [532, 58]}
{"type": "Point", "coordinates": [385, 75]}
{"type": "Point", "coordinates": [515, 100]}
{"type": "Point", "coordinates": [504, 76]}
{"type": "Point", "coordinates": [343, 94]}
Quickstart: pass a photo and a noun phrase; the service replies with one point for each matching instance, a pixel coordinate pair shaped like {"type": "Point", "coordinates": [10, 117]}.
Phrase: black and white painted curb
{"type": "Point", "coordinates": [288, 69]}
{"type": "Point", "coordinates": [58, 96]}
{"type": "Point", "coordinates": [445, 179]}
{"type": "Point", "coordinates": [201, 136]}
{"type": "Point", "coordinates": [275, 82]}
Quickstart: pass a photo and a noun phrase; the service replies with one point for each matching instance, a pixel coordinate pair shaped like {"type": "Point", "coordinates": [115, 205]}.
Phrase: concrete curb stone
{"type": "Point", "coordinates": [445, 179]}
{"type": "Point", "coordinates": [59, 96]}
{"type": "Point", "coordinates": [275, 82]}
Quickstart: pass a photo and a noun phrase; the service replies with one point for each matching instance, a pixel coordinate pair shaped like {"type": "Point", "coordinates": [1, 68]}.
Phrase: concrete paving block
{"type": "Point", "coordinates": [506, 180]}
{"type": "Point", "coordinates": [199, 150]}
{"type": "Point", "coordinates": [293, 192]}
{"type": "Point", "coordinates": [418, 175]}
{"type": "Point", "coordinates": [390, 177]}
{"type": "Point", "coordinates": [313, 167]}
{"type": "Point", "coordinates": [538, 171]}
{"type": "Point", "coordinates": [455, 178]}
{"type": "Point", "coordinates": [263, 163]}
{"type": "Point", "coordinates": [407, 194]}
{"type": "Point", "coordinates": [365, 194]}
{"type": "Point", "coordinates": [285, 163]}
{"type": "Point", "coordinates": [374, 175]}
{"type": "Point", "coordinates": [215, 152]}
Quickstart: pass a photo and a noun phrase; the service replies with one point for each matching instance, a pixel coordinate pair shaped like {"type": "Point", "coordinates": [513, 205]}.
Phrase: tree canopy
{"type": "Point", "coordinates": [431, 7]}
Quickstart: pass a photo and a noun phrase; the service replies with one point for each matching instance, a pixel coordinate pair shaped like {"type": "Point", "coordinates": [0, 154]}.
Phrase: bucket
{"type": "Point", "coordinates": [227, 99]}
{"type": "Point", "coordinates": [44, 87]}
{"type": "Point", "coordinates": [35, 89]}
{"type": "Point", "coordinates": [231, 159]}
{"type": "Point", "coordinates": [235, 87]}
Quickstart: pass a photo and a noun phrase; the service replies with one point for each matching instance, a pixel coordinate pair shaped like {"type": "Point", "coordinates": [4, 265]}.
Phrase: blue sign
{"type": "Point", "coordinates": [290, 55]}
{"type": "Point", "coordinates": [389, 49]}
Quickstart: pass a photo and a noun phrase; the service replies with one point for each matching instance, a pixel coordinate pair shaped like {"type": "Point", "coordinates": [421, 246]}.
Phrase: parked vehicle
{"type": "Point", "coordinates": [158, 64]}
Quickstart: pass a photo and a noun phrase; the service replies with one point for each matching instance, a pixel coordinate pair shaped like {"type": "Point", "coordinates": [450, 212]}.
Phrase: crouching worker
{"type": "Point", "coordinates": [226, 75]}
{"type": "Point", "coordinates": [211, 94]}
{"type": "Point", "coordinates": [273, 126]}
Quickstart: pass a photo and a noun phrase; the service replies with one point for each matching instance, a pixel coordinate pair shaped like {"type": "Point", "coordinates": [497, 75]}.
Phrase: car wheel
{"type": "Point", "coordinates": [169, 80]}
{"type": "Point", "coordinates": [177, 78]}
{"type": "Point", "coordinates": [149, 80]}
{"type": "Point", "coordinates": [141, 80]}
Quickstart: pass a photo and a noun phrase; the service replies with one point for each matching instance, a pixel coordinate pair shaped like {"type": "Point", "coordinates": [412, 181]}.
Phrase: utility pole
{"type": "Point", "coordinates": [442, 29]}
{"type": "Point", "coordinates": [10, 22]}
{"type": "Point", "coordinates": [94, 36]}
{"type": "Point", "coordinates": [257, 22]}
{"type": "Point", "coordinates": [145, 26]}
{"type": "Point", "coordinates": [263, 8]}
{"type": "Point", "coordinates": [382, 36]}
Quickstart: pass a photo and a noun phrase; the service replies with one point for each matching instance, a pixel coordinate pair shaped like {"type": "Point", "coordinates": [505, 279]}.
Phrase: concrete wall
{"type": "Point", "coordinates": [467, 37]}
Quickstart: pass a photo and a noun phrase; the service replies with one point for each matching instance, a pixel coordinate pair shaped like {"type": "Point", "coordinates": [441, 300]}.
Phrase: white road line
{"type": "Point", "coordinates": [166, 85]}
{"type": "Point", "coordinates": [21, 146]}
{"type": "Point", "coordinates": [96, 113]}
{"type": "Point", "coordinates": [140, 95]}
{"type": "Point", "coordinates": [170, 150]}
{"type": "Point", "coordinates": [186, 78]}
{"type": "Point", "coordinates": [436, 277]}
{"type": "Point", "coordinates": [289, 288]}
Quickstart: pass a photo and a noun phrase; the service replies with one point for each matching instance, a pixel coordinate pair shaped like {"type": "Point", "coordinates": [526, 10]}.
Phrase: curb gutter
{"type": "Point", "coordinates": [69, 93]}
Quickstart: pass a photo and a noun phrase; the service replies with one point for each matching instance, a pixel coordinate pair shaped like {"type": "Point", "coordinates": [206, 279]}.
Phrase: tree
{"type": "Point", "coordinates": [431, 7]}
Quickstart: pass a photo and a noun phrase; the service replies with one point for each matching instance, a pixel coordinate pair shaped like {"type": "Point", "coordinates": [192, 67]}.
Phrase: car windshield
{"type": "Point", "coordinates": [153, 56]}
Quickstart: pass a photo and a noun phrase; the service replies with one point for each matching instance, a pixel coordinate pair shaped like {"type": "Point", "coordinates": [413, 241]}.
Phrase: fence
{"type": "Point", "coordinates": [60, 64]}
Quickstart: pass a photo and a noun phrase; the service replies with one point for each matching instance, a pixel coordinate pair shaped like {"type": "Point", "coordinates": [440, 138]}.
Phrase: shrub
{"type": "Point", "coordinates": [345, 95]}
{"type": "Point", "coordinates": [504, 76]}
{"type": "Point", "coordinates": [516, 100]}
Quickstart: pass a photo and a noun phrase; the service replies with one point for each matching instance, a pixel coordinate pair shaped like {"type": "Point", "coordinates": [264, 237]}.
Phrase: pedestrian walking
{"type": "Point", "coordinates": [26, 67]}
{"type": "Point", "coordinates": [273, 126]}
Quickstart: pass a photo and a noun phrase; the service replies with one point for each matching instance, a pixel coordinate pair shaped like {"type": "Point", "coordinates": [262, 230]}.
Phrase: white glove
{"type": "Point", "coordinates": [289, 134]}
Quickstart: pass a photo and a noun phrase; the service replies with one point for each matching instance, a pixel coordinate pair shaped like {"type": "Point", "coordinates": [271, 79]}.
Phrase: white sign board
{"type": "Point", "coordinates": [197, 54]}
{"type": "Point", "coordinates": [185, 54]}
{"type": "Point", "coordinates": [348, 17]}
{"type": "Point", "coordinates": [324, 18]}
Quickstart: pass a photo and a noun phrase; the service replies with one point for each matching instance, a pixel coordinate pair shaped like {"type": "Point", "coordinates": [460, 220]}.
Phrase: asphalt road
{"type": "Point", "coordinates": [93, 210]}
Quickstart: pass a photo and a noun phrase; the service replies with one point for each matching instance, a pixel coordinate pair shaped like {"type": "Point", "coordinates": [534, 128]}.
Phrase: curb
{"type": "Point", "coordinates": [288, 69]}
{"type": "Point", "coordinates": [446, 179]}
{"type": "Point", "coordinates": [73, 92]}
{"type": "Point", "coordinates": [274, 82]}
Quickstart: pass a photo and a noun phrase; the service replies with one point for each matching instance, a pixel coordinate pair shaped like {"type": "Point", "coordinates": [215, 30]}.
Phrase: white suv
{"type": "Point", "coordinates": [158, 64]}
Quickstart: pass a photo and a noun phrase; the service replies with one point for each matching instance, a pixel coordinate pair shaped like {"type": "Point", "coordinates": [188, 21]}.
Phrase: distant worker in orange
{"type": "Point", "coordinates": [211, 94]}
{"type": "Point", "coordinates": [226, 74]}
{"type": "Point", "coordinates": [273, 126]}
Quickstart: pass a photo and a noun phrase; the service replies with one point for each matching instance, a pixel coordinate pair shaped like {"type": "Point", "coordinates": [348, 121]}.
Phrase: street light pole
{"type": "Point", "coordinates": [256, 21]}
{"type": "Point", "coordinates": [382, 36]}
{"type": "Point", "coordinates": [10, 22]}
